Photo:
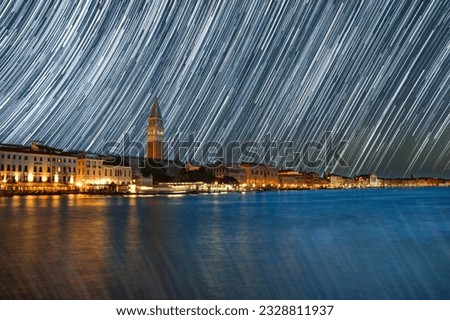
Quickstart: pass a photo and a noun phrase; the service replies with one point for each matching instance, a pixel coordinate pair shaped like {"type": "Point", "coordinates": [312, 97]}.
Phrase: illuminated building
{"type": "Point", "coordinates": [260, 175]}
{"type": "Point", "coordinates": [288, 179]}
{"type": "Point", "coordinates": [36, 167]}
{"type": "Point", "coordinates": [367, 180]}
{"type": "Point", "coordinates": [249, 175]}
{"type": "Point", "coordinates": [97, 171]}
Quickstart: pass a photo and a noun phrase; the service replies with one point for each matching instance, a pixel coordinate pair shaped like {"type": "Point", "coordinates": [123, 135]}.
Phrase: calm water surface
{"type": "Point", "coordinates": [326, 244]}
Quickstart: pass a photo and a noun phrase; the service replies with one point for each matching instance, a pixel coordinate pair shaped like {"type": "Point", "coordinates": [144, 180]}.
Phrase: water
{"type": "Point", "coordinates": [325, 244]}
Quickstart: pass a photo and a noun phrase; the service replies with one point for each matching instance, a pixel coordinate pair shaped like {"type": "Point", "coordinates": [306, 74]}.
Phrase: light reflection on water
{"type": "Point", "coordinates": [340, 244]}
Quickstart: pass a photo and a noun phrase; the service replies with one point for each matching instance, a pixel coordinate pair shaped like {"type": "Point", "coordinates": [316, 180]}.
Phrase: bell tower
{"type": "Point", "coordinates": [155, 133]}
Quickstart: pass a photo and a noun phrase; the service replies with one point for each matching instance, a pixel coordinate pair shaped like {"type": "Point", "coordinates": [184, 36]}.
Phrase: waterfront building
{"type": "Point", "coordinates": [155, 134]}
{"type": "Point", "coordinates": [260, 175]}
{"type": "Point", "coordinates": [289, 179]}
{"type": "Point", "coordinates": [248, 175]}
{"type": "Point", "coordinates": [367, 181]}
{"type": "Point", "coordinates": [335, 181]}
{"type": "Point", "coordinates": [95, 172]}
{"type": "Point", "coordinates": [234, 170]}
{"type": "Point", "coordinates": [313, 180]}
{"type": "Point", "coordinates": [36, 168]}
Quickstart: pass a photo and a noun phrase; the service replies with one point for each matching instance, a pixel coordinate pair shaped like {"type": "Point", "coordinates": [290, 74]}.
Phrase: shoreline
{"type": "Point", "coordinates": [12, 193]}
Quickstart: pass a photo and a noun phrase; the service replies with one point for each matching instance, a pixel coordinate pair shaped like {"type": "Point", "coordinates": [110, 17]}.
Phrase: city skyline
{"type": "Point", "coordinates": [374, 74]}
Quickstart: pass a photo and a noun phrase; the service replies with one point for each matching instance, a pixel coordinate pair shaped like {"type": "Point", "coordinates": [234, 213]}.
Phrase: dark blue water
{"type": "Point", "coordinates": [326, 244]}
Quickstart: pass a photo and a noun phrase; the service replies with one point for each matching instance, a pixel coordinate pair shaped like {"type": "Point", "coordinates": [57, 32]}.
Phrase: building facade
{"type": "Point", "coordinates": [96, 171]}
{"type": "Point", "coordinates": [235, 171]}
{"type": "Point", "coordinates": [36, 167]}
{"type": "Point", "coordinates": [260, 176]}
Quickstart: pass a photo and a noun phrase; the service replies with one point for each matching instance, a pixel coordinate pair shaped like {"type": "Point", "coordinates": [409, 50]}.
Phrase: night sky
{"type": "Point", "coordinates": [75, 74]}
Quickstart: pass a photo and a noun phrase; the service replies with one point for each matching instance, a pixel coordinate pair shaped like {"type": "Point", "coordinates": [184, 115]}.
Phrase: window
{"type": "Point", "coordinates": [3, 156]}
{"type": "Point", "coordinates": [2, 167]}
{"type": "Point", "coordinates": [35, 169]}
{"type": "Point", "coordinates": [20, 157]}
{"type": "Point", "coordinates": [14, 157]}
{"type": "Point", "coordinates": [35, 159]}
{"type": "Point", "coordinates": [8, 168]}
{"type": "Point", "coordinates": [48, 159]}
{"type": "Point", "coordinates": [25, 168]}
{"type": "Point", "coordinates": [40, 159]}
{"type": "Point", "coordinates": [88, 172]}
{"type": "Point", "coordinates": [64, 160]}
{"type": "Point", "coordinates": [9, 157]}
{"type": "Point", "coordinates": [14, 167]}
{"type": "Point", "coordinates": [26, 157]}
{"type": "Point", "coordinates": [40, 169]}
{"type": "Point", "coordinates": [94, 173]}
{"type": "Point", "coordinates": [48, 169]}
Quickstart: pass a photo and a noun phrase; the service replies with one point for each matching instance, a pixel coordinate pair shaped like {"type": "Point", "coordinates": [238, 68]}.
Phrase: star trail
{"type": "Point", "coordinates": [75, 74]}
